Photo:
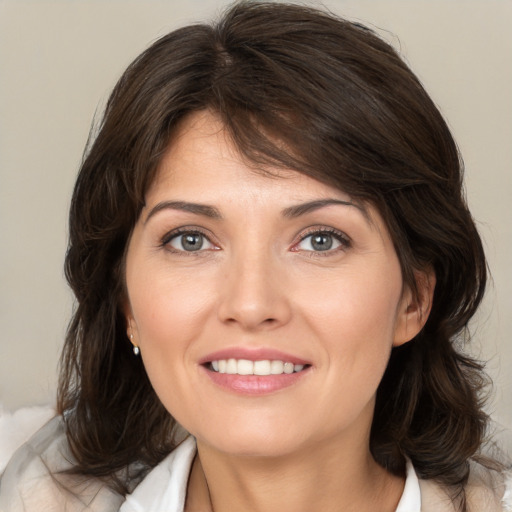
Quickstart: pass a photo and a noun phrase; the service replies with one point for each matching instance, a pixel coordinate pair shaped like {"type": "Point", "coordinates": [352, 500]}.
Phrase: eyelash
{"type": "Point", "coordinates": [342, 238]}
{"type": "Point", "coordinates": [175, 233]}
{"type": "Point", "coordinates": [339, 236]}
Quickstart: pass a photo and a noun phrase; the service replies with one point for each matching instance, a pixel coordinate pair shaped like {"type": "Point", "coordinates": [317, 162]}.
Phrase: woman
{"type": "Point", "coordinates": [271, 217]}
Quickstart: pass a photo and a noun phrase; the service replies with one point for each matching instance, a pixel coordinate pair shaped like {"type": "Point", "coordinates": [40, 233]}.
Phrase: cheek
{"type": "Point", "coordinates": [358, 306]}
{"type": "Point", "coordinates": [355, 317]}
{"type": "Point", "coordinates": [171, 311]}
{"type": "Point", "coordinates": [166, 306]}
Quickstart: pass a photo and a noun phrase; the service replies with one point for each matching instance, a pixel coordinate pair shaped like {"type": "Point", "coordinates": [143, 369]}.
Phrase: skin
{"type": "Point", "coordinates": [258, 281]}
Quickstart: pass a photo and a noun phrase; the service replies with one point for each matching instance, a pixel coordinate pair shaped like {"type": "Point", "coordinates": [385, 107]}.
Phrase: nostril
{"type": "Point", "coordinates": [253, 307]}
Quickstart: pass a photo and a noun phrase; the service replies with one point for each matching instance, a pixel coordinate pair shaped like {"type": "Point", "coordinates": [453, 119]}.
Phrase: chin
{"type": "Point", "coordinates": [258, 446]}
{"type": "Point", "coordinates": [254, 440]}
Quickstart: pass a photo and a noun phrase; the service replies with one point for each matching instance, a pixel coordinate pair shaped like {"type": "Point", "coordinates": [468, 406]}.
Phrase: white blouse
{"type": "Point", "coordinates": [164, 488]}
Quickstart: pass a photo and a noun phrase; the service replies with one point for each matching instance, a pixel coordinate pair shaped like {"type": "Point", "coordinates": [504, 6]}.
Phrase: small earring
{"type": "Point", "coordinates": [136, 349]}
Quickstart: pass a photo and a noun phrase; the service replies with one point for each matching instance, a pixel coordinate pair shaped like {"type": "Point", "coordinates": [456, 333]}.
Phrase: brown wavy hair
{"type": "Point", "coordinates": [296, 88]}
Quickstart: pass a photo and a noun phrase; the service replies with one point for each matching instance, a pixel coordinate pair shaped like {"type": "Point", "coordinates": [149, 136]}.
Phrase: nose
{"type": "Point", "coordinates": [254, 294]}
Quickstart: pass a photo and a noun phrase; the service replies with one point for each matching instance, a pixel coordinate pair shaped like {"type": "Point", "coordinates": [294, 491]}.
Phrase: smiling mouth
{"type": "Point", "coordinates": [261, 368]}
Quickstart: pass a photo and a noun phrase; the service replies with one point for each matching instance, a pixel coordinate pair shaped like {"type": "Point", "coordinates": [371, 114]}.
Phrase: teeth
{"type": "Point", "coordinates": [247, 367]}
{"type": "Point", "coordinates": [262, 367]}
{"type": "Point", "coordinates": [288, 367]}
{"type": "Point", "coordinates": [231, 366]}
{"type": "Point", "coordinates": [276, 367]}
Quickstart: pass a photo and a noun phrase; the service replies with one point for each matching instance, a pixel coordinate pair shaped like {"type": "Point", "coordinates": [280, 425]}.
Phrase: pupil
{"type": "Point", "coordinates": [192, 242]}
{"type": "Point", "coordinates": [321, 242]}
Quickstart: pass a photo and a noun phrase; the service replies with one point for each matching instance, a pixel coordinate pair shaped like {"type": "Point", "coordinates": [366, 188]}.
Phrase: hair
{"type": "Point", "coordinates": [295, 88]}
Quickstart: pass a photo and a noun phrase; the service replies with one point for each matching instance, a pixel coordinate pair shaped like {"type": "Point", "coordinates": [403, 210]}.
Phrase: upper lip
{"type": "Point", "coordinates": [253, 354]}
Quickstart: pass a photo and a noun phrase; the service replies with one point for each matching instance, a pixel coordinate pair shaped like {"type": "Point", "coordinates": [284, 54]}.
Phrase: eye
{"type": "Point", "coordinates": [322, 241]}
{"type": "Point", "coordinates": [189, 241]}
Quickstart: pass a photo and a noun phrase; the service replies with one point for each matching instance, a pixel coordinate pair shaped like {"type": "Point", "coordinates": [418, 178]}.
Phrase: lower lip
{"type": "Point", "coordinates": [255, 384]}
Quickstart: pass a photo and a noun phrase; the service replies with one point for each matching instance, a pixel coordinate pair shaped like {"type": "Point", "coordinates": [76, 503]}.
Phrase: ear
{"type": "Point", "coordinates": [413, 311]}
{"type": "Point", "coordinates": [131, 326]}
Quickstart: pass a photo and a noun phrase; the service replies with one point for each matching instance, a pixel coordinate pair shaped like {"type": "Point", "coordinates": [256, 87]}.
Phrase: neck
{"type": "Point", "coordinates": [332, 478]}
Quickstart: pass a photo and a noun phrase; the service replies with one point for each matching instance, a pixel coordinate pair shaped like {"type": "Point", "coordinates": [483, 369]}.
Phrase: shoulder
{"type": "Point", "coordinates": [36, 478]}
{"type": "Point", "coordinates": [487, 490]}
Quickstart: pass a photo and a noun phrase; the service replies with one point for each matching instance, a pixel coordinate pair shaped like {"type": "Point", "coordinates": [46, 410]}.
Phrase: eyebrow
{"type": "Point", "coordinates": [304, 208]}
{"type": "Point", "coordinates": [184, 206]}
{"type": "Point", "coordinates": [213, 213]}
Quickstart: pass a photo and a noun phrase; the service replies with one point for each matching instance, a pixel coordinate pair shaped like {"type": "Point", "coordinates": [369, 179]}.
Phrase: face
{"type": "Point", "coordinates": [265, 307]}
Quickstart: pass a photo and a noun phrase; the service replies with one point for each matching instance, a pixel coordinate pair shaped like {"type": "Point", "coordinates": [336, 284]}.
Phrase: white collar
{"type": "Point", "coordinates": [411, 497]}
{"type": "Point", "coordinates": [165, 487]}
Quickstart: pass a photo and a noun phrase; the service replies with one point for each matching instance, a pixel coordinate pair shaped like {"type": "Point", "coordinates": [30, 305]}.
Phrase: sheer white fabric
{"type": "Point", "coordinates": [17, 427]}
{"type": "Point", "coordinates": [34, 480]}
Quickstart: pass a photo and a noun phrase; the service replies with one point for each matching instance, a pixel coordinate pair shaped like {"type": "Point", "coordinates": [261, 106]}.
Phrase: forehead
{"type": "Point", "coordinates": [201, 156]}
